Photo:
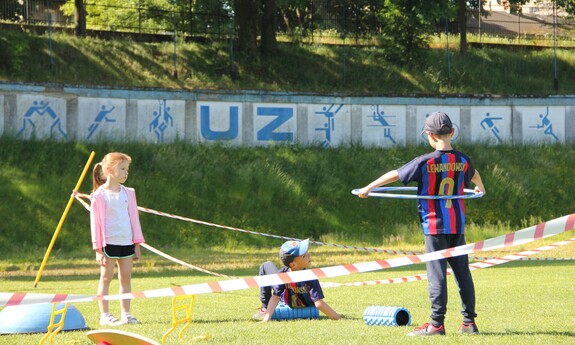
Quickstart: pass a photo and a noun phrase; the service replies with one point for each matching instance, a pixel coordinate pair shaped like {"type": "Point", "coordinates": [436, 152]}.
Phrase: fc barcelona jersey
{"type": "Point", "coordinates": [440, 173]}
{"type": "Point", "coordinates": [299, 295]}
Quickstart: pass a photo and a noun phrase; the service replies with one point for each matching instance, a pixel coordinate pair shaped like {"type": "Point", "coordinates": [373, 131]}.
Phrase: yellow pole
{"type": "Point", "coordinates": [78, 185]}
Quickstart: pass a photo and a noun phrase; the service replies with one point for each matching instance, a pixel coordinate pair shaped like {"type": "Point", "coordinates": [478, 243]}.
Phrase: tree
{"type": "Point", "coordinates": [462, 20]}
{"type": "Point", "coordinates": [79, 18]}
{"type": "Point", "coordinates": [256, 18]}
{"type": "Point", "coordinates": [246, 13]}
{"type": "Point", "coordinates": [269, 42]}
{"type": "Point", "coordinates": [567, 5]}
{"type": "Point", "coordinates": [405, 25]}
{"type": "Point", "coordinates": [121, 14]}
{"type": "Point", "coordinates": [462, 7]}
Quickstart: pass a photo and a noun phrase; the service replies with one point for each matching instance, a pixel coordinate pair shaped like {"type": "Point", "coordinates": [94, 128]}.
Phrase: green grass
{"type": "Point", "coordinates": [517, 303]}
{"type": "Point", "coordinates": [330, 69]}
{"type": "Point", "coordinates": [288, 191]}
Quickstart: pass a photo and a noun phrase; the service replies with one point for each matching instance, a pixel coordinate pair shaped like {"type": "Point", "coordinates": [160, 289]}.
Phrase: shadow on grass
{"type": "Point", "coordinates": [536, 263]}
{"type": "Point", "coordinates": [508, 332]}
{"type": "Point", "coordinates": [88, 277]}
{"type": "Point", "coordinates": [322, 317]}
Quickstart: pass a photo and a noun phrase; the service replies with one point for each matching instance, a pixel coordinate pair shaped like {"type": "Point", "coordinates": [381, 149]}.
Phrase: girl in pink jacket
{"type": "Point", "coordinates": [116, 231]}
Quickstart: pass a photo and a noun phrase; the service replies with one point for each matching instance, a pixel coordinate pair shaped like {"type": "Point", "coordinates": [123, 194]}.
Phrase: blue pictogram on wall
{"type": "Point", "coordinates": [329, 124]}
{"type": "Point", "coordinates": [162, 120]}
{"type": "Point", "coordinates": [379, 118]}
{"type": "Point", "coordinates": [41, 108]}
{"type": "Point", "coordinates": [546, 125]}
{"type": "Point", "coordinates": [488, 124]}
{"type": "Point", "coordinates": [102, 116]}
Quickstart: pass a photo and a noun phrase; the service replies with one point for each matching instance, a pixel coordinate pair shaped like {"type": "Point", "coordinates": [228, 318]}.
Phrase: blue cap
{"type": "Point", "coordinates": [292, 249]}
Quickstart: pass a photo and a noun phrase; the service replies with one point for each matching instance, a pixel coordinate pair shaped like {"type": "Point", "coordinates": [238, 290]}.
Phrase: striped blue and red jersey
{"type": "Point", "coordinates": [440, 173]}
{"type": "Point", "coordinates": [298, 295]}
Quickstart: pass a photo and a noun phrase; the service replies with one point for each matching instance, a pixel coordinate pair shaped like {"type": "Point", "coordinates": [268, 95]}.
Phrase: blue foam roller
{"type": "Point", "coordinates": [284, 312]}
{"type": "Point", "coordinates": [386, 316]}
{"type": "Point", "coordinates": [35, 318]}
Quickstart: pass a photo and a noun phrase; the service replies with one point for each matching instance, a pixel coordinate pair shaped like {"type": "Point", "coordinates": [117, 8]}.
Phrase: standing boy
{"type": "Point", "coordinates": [295, 257]}
{"type": "Point", "coordinates": [442, 172]}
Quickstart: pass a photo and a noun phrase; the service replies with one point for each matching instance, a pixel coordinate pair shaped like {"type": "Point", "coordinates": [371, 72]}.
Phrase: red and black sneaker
{"type": "Point", "coordinates": [427, 329]}
{"type": "Point", "coordinates": [468, 328]}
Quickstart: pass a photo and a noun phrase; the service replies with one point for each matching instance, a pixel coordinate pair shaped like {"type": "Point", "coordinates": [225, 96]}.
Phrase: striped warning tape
{"type": "Point", "coordinates": [527, 235]}
{"type": "Point", "coordinates": [186, 219]}
{"type": "Point", "coordinates": [474, 266]}
{"type": "Point", "coordinates": [183, 263]}
{"type": "Point", "coordinates": [169, 257]}
{"type": "Point", "coordinates": [518, 256]}
{"type": "Point", "coordinates": [374, 250]}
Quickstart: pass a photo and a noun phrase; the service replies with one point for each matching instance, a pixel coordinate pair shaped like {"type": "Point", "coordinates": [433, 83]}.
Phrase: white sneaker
{"type": "Point", "coordinates": [109, 320]}
{"type": "Point", "coordinates": [129, 319]}
{"type": "Point", "coordinates": [259, 315]}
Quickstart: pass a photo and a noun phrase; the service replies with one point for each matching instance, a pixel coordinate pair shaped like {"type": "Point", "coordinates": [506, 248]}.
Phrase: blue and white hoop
{"type": "Point", "coordinates": [384, 192]}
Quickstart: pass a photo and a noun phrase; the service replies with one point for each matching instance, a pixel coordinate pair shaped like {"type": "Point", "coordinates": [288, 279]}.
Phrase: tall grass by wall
{"type": "Point", "coordinates": [290, 191]}
{"type": "Point", "coordinates": [346, 70]}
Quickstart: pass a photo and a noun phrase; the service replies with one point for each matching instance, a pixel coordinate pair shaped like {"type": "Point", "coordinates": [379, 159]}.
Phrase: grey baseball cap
{"type": "Point", "coordinates": [438, 123]}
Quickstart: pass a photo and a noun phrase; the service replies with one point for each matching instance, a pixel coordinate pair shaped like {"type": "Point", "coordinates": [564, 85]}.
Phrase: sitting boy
{"type": "Point", "coordinates": [295, 257]}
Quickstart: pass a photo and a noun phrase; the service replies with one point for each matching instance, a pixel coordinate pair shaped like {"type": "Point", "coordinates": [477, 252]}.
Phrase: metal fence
{"type": "Point", "coordinates": [531, 22]}
{"type": "Point", "coordinates": [32, 12]}
{"type": "Point", "coordinates": [354, 20]}
{"type": "Point", "coordinates": [139, 18]}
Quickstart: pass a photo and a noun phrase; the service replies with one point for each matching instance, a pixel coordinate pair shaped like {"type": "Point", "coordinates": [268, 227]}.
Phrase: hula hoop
{"type": "Point", "coordinates": [383, 192]}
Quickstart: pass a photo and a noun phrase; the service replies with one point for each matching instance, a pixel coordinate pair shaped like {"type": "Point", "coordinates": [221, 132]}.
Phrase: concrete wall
{"type": "Point", "coordinates": [267, 118]}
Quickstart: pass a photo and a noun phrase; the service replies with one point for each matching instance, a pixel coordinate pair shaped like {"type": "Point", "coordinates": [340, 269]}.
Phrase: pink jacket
{"type": "Point", "coordinates": [98, 217]}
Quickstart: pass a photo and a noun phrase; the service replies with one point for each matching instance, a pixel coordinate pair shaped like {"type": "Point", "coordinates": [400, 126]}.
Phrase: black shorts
{"type": "Point", "coordinates": [118, 252]}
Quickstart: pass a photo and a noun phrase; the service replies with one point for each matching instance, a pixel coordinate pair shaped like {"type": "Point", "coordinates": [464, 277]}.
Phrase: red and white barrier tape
{"type": "Point", "coordinates": [388, 251]}
{"type": "Point", "coordinates": [186, 219]}
{"type": "Point", "coordinates": [474, 266]}
{"type": "Point", "coordinates": [169, 257]}
{"type": "Point", "coordinates": [527, 235]}
{"type": "Point", "coordinates": [367, 249]}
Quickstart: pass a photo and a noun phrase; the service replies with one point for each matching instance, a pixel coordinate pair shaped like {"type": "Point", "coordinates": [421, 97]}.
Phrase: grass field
{"type": "Point", "coordinates": [527, 302]}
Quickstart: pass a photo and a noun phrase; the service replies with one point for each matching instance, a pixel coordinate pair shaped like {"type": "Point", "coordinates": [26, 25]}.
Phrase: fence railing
{"type": "Point", "coordinates": [352, 21]}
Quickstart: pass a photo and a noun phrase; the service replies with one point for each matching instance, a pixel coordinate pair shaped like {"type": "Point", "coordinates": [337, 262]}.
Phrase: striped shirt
{"type": "Point", "coordinates": [440, 173]}
{"type": "Point", "coordinates": [299, 295]}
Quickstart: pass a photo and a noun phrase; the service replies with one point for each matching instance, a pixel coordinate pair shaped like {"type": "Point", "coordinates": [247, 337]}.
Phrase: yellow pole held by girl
{"type": "Point", "coordinates": [78, 185]}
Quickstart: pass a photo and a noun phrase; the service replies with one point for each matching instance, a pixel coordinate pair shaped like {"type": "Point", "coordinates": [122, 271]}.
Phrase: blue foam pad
{"type": "Point", "coordinates": [35, 318]}
{"type": "Point", "coordinates": [284, 312]}
{"type": "Point", "coordinates": [386, 316]}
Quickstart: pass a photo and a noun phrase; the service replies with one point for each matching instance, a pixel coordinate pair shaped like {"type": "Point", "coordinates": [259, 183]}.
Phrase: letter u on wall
{"type": "Point", "coordinates": [206, 129]}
